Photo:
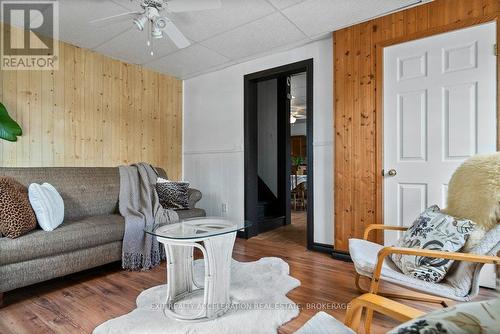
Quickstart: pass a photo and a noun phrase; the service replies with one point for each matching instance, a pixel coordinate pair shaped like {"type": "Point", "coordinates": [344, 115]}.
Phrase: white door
{"type": "Point", "coordinates": [439, 109]}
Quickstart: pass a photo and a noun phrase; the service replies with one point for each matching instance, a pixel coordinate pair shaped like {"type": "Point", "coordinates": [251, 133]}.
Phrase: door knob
{"type": "Point", "coordinates": [390, 172]}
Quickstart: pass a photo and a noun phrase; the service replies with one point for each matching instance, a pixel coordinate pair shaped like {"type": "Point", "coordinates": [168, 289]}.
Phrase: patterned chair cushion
{"type": "Point", "coordinates": [364, 256]}
{"type": "Point", "coordinates": [478, 317]}
{"type": "Point", "coordinates": [433, 230]}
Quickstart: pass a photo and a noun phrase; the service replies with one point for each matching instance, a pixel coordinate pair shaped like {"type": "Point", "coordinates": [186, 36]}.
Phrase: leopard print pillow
{"type": "Point", "coordinates": [16, 215]}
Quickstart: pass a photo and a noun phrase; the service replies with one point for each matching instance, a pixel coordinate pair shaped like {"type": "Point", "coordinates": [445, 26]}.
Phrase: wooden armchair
{"type": "Point", "coordinates": [372, 261]}
{"type": "Point", "coordinates": [325, 323]}
{"type": "Point", "coordinates": [384, 253]}
{"type": "Point", "coordinates": [473, 193]}
{"type": "Point", "coordinates": [370, 303]}
{"type": "Point", "coordinates": [477, 317]}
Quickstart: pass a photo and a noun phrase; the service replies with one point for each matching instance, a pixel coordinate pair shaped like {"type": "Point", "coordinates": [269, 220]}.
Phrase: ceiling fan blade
{"type": "Point", "coordinates": [115, 18]}
{"type": "Point", "coordinates": [176, 35]}
{"type": "Point", "coordinates": [178, 6]}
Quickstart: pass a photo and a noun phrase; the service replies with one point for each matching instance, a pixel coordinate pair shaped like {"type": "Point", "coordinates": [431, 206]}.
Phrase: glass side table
{"type": "Point", "coordinates": [214, 237]}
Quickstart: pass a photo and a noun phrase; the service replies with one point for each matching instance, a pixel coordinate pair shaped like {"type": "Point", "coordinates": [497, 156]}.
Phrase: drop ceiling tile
{"type": "Point", "coordinates": [131, 46]}
{"type": "Point", "coordinates": [193, 59]}
{"type": "Point", "coordinates": [285, 3]}
{"type": "Point", "coordinates": [132, 5]}
{"type": "Point", "coordinates": [200, 25]}
{"type": "Point", "coordinates": [316, 17]}
{"type": "Point", "coordinates": [74, 18]}
{"type": "Point", "coordinates": [263, 35]}
{"type": "Point", "coordinates": [239, 30]}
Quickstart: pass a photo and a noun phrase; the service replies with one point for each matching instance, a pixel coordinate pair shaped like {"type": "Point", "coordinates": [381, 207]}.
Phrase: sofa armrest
{"type": "Point", "coordinates": [194, 196]}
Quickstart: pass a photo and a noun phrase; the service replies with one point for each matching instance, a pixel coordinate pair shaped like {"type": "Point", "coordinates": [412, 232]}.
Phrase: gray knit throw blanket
{"type": "Point", "coordinates": [139, 205]}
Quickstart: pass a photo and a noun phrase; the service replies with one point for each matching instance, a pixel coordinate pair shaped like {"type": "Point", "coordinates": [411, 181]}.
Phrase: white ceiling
{"type": "Point", "coordinates": [240, 30]}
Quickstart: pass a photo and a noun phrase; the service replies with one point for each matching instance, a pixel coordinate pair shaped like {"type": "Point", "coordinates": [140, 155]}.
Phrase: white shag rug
{"type": "Point", "coordinates": [258, 292]}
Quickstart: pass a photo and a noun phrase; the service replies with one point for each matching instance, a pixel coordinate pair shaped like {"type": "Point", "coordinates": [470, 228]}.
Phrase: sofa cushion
{"type": "Point", "coordinates": [86, 191]}
{"type": "Point", "coordinates": [38, 270]}
{"type": "Point", "coordinates": [69, 236]}
{"type": "Point", "coordinates": [191, 213]}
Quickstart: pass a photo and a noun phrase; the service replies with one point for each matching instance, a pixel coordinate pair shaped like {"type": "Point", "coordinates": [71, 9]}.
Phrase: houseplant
{"type": "Point", "coordinates": [296, 162]}
{"type": "Point", "coordinates": [9, 129]}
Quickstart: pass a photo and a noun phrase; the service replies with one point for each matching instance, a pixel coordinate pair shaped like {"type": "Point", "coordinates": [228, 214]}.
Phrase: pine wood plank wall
{"type": "Point", "coordinates": [357, 149]}
{"type": "Point", "coordinates": [93, 111]}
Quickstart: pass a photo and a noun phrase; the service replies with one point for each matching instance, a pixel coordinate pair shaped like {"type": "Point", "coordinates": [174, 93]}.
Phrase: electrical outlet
{"type": "Point", "coordinates": [224, 208]}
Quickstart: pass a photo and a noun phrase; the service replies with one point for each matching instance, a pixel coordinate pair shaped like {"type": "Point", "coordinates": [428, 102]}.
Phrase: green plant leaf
{"type": "Point", "coordinates": [7, 136]}
{"type": "Point", "coordinates": [9, 129]}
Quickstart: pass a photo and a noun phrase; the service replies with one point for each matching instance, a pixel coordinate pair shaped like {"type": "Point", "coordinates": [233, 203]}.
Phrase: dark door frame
{"type": "Point", "coordinates": [250, 119]}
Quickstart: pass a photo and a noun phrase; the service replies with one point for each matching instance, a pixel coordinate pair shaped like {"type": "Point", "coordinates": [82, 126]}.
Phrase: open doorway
{"type": "Point", "coordinates": [278, 154]}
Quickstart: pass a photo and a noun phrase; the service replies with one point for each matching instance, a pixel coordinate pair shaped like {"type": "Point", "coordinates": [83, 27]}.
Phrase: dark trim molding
{"type": "Point", "coordinates": [323, 248]}
{"type": "Point", "coordinates": [250, 139]}
{"type": "Point", "coordinates": [343, 256]}
{"type": "Point", "coordinates": [328, 249]}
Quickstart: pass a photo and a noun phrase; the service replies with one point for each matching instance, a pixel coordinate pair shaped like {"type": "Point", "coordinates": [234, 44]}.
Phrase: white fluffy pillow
{"type": "Point", "coordinates": [47, 204]}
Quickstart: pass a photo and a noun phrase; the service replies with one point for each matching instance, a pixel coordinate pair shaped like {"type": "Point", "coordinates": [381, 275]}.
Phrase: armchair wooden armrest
{"type": "Point", "coordinates": [373, 227]}
{"type": "Point", "coordinates": [386, 251]}
{"type": "Point", "coordinates": [378, 304]}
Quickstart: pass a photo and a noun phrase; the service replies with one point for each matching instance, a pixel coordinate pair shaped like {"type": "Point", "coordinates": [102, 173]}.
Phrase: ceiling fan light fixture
{"type": "Point", "coordinates": [156, 33]}
{"type": "Point", "coordinates": [140, 22]}
{"type": "Point", "coordinates": [160, 23]}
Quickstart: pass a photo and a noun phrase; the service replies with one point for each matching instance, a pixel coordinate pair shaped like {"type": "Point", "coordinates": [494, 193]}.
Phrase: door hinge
{"type": "Point", "coordinates": [495, 50]}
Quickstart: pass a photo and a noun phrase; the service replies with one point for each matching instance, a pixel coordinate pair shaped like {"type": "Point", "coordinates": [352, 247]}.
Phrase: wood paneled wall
{"type": "Point", "coordinates": [357, 132]}
{"type": "Point", "coordinates": [93, 111]}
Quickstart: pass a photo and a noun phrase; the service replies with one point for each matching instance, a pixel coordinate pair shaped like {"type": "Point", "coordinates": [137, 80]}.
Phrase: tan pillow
{"type": "Point", "coordinates": [16, 215]}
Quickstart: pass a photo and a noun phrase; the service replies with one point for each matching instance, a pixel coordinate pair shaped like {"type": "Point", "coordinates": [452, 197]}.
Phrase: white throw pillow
{"type": "Point", "coordinates": [47, 204]}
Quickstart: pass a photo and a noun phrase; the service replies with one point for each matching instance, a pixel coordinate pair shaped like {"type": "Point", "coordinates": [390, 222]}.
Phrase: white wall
{"type": "Point", "coordinates": [298, 129]}
{"type": "Point", "coordinates": [213, 134]}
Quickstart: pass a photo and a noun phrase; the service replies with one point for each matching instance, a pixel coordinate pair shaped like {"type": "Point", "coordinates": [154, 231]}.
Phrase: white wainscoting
{"type": "Point", "coordinates": [217, 174]}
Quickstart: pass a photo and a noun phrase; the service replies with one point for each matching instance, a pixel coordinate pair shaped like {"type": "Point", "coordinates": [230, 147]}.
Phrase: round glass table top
{"type": "Point", "coordinates": [197, 228]}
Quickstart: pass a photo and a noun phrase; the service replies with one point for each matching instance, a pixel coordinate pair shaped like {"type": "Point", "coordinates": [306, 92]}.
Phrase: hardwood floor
{"type": "Point", "coordinates": [80, 302]}
{"type": "Point", "coordinates": [294, 234]}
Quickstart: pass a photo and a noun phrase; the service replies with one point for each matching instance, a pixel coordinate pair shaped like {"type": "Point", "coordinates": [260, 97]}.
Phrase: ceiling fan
{"type": "Point", "coordinates": [297, 113]}
{"type": "Point", "coordinates": [153, 18]}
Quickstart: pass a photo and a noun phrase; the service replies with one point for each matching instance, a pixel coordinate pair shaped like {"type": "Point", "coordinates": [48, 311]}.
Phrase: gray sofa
{"type": "Point", "coordinates": [91, 234]}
